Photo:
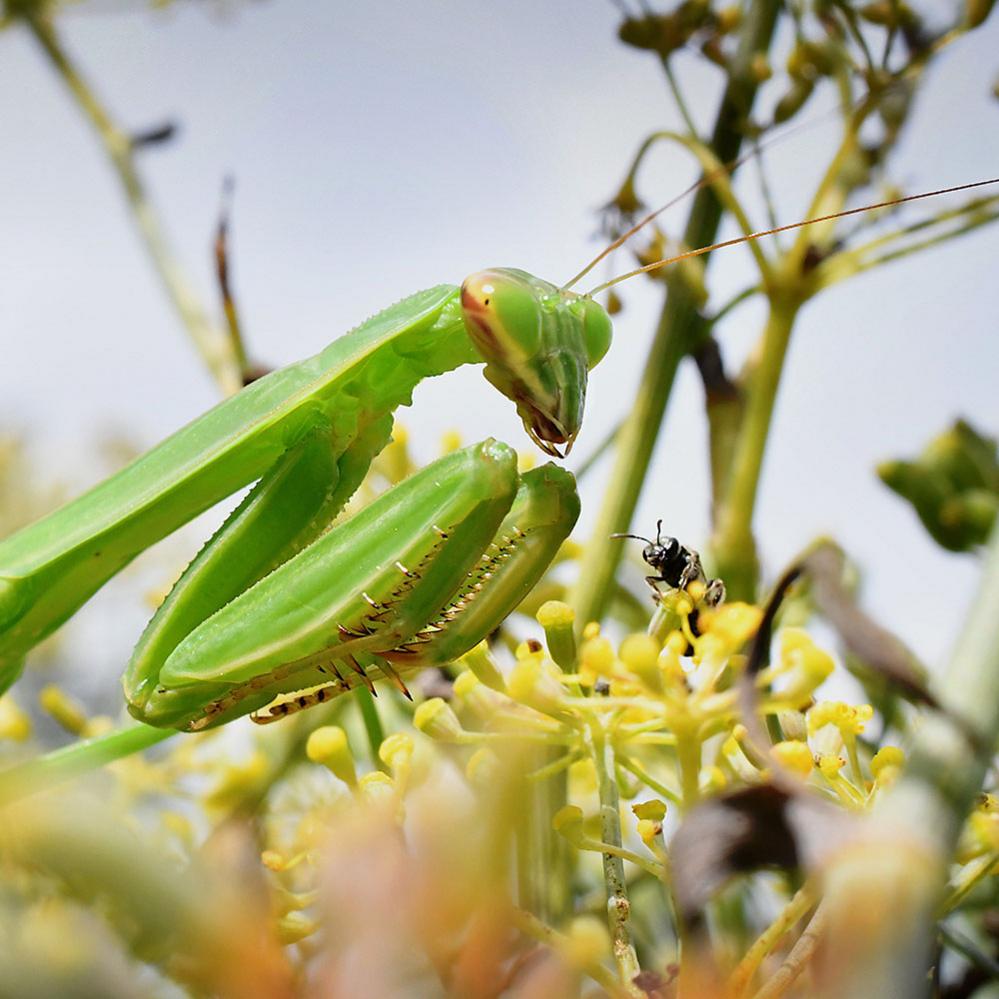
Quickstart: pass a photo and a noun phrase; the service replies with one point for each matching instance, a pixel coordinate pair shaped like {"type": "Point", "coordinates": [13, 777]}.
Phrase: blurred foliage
{"type": "Point", "coordinates": [953, 486]}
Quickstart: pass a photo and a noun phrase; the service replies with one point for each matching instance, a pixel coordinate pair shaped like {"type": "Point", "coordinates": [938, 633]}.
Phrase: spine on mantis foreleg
{"type": "Point", "coordinates": [541, 518]}
{"type": "Point", "coordinates": [52, 567]}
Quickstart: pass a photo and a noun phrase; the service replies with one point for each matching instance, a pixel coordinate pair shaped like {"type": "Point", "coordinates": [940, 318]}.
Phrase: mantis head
{"type": "Point", "coordinates": [539, 343]}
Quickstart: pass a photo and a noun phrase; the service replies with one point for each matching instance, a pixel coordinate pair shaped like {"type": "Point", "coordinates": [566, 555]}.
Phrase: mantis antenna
{"type": "Point", "coordinates": [704, 181]}
{"type": "Point", "coordinates": [701, 250]}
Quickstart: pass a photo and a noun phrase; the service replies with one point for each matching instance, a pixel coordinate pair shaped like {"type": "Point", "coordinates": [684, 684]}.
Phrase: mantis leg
{"type": "Point", "coordinates": [291, 505]}
{"type": "Point", "coordinates": [366, 585]}
{"type": "Point", "coordinates": [540, 519]}
{"type": "Point", "coordinates": [544, 512]}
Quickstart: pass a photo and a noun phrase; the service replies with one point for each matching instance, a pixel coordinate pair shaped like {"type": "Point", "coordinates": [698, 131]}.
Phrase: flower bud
{"type": "Point", "coordinates": [396, 751]}
{"type": "Point", "coordinates": [596, 658]}
{"type": "Point", "coordinates": [482, 664]}
{"type": "Point", "coordinates": [329, 747]}
{"type": "Point", "coordinates": [435, 719]}
{"type": "Point", "coordinates": [377, 788]}
{"type": "Point", "coordinates": [532, 683]}
{"type": "Point", "coordinates": [795, 756]}
{"type": "Point", "coordinates": [558, 619]}
{"type": "Point", "coordinates": [64, 709]}
{"type": "Point", "coordinates": [640, 655]}
{"type": "Point", "coordinates": [474, 696]}
{"type": "Point", "coordinates": [14, 723]}
{"type": "Point", "coordinates": [807, 666]}
{"type": "Point", "coordinates": [568, 822]}
{"type": "Point", "coordinates": [886, 764]}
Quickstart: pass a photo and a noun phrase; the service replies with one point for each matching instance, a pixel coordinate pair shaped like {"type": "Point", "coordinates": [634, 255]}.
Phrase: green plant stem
{"type": "Point", "coordinates": [81, 757]}
{"type": "Point", "coordinates": [969, 949]}
{"type": "Point", "coordinates": [688, 754]}
{"type": "Point", "coordinates": [733, 546]}
{"type": "Point", "coordinates": [626, 763]}
{"type": "Point", "coordinates": [803, 900]}
{"type": "Point", "coordinates": [372, 723]}
{"type": "Point", "coordinates": [794, 964]}
{"type": "Point", "coordinates": [544, 868]}
{"type": "Point", "coordinates": [212, 345]}
{"type": "Point", "coordinates": [679, 328]}
{"type": "Point", "coordinates": [618, 904]}
{"type": "Point", "coordinates": [903, 855]}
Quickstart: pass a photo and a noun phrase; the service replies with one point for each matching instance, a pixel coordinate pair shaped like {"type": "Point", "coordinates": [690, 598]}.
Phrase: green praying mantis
{"type": "Point", "coordinates": [279, 602]}
{"type": "Point", "coordinates": [283, 608]}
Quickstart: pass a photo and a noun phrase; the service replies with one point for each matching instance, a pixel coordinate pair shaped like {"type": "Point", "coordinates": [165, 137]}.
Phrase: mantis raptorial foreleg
{"type": "Point", "coordinates": [419, 576]}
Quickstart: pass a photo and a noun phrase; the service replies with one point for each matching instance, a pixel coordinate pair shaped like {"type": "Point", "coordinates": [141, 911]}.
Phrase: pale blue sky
{"type": "Point", "coordinates": [383, 147]}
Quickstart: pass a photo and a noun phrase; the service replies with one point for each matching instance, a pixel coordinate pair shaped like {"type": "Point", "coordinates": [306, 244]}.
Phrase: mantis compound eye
{"type": "Point", "coordinates": [502, 316]}
{"type": "Point", "coordinates": [597, 331]}
{"type": "Point", "coordinates": [534, 340]}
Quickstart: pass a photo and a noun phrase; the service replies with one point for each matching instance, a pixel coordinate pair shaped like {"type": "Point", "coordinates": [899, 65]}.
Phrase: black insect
{"type": "Point", "coordinates": [677, 566]}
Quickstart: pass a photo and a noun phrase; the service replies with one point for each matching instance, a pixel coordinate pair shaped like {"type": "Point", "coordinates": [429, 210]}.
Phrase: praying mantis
{"type": "Point", "coordinates": [282, 608]}
{"type": "Point", "coordinates": [278, 601]}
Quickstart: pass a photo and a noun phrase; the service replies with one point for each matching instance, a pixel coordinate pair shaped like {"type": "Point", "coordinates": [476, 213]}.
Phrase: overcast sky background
{"type": "Point", "coordinates": [380, 148]}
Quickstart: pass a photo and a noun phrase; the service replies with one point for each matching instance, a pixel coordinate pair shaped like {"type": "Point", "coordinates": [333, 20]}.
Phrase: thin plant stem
{"type": "Point", "coordinates": [967, 948]}
{"type": "Point", "coordinates": [372, 722]}
{"type": "Point", "coordinates": [544, 868]}
{"type": "Point", "coordinates": [986, 867]}
{"type": "Point", "coordinates": [64, 764]}
{"type": "Point", "coordinates": [618, 904]}
{"type": "Point", "coordinates": [626, 763]}
{"type": "Point", "coordinates": [799, 905]}
{"type": "Point", "coordinates": [734, 548]}
{"type": "Point", "coordinates": [211, 344]}
{"type": "Point", "coordinates": [678, 98]}
{"type": "Point", "coordinates": [679, 328]}
{"type": "Point", "coordinates": [802, 952]}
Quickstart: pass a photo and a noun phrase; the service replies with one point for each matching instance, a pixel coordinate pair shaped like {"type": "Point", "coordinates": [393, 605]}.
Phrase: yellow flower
{"type": "Point", "coordinates": [436, 719]}
{"type": "Point", "coordinates": [795, 756]}
{"type": "Point", "coordinates": [886, 764]}
{"type": "Point", "coordinates": [849, 719]}
{"type": "Point", "coordinates": [535, 683]}
{"type": "Point", "coordinates": [596, 658]}
{"type": "Point", "coordinates": [14, 723]}
{"type": "Point", "coordinates": [806, 665]}
{"type": "Point", "coordinates": [726, 629]}
{"type": "Point", "coordinates": [329, 746]}
{"type": "Point", "coordinates": [640, 655]}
